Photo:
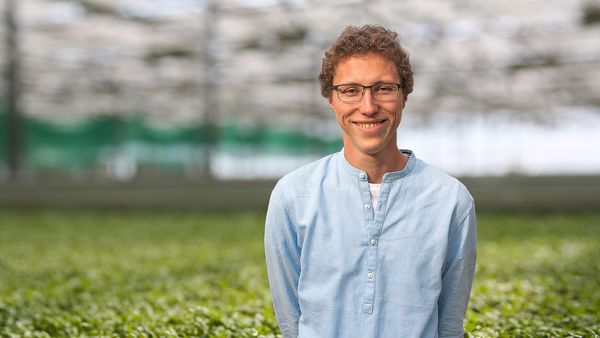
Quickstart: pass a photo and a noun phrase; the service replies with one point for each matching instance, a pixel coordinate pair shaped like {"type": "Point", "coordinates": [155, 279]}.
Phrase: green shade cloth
{"type": "Point", "coordinates": [94, 141]}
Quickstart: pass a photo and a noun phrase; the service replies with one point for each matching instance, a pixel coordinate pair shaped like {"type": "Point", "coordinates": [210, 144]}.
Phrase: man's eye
{"type": "Point", "coordinates": [384, 89]}
{"type": "Point", "coordinates": [350, 90]}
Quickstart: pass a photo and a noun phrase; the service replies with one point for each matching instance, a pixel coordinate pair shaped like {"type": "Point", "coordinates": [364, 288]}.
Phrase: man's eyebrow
{"type": "Point", "coordinates": [349, 84]}
{"type": "Point", "coordinates": [358, 84]}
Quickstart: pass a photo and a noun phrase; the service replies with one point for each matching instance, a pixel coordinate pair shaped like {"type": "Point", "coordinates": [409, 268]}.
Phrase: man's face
{"type": "Point", "coordinates": [369, 126]}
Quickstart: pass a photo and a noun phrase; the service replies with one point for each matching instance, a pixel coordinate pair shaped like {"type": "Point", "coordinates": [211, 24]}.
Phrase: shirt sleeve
{"type": "Point", "coordinates": [283, 264]}
{"type": "Point", "coordinates": [457, 277]}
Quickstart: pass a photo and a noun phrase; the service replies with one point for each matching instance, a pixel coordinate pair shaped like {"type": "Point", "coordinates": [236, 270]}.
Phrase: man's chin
{"type": "Point", "coordinates": [369, 149]}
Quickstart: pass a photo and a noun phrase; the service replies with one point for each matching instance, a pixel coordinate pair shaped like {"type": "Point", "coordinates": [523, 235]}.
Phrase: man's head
{"type": "Point", "coordinates": [371, 77]}
{"type": "Point", "coordinates": [368, 39]}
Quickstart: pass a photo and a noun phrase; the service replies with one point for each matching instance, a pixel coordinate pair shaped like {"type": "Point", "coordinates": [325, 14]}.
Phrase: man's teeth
{"type": "Point", "coordinates": [368, 125]}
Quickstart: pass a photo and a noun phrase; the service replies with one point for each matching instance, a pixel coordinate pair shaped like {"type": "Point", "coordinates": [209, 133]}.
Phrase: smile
{"type": "Point", "coordinates": [369, 125]}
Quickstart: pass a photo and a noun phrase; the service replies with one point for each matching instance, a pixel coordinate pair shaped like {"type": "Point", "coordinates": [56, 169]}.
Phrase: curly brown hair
{"type": "Point", "coordinates": [363, 40]}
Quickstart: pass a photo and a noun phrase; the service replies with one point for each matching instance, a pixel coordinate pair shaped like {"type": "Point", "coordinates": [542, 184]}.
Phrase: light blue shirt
{"type": "Point", "coordinates": [339, 268]}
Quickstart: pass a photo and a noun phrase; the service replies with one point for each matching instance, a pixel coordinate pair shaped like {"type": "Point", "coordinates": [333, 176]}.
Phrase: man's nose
{"type": "Point", "coordinates": [368, 105]}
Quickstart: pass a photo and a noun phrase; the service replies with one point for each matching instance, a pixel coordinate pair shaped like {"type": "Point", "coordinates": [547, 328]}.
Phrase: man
{"type": "Point", "coordinates": [371, 241]}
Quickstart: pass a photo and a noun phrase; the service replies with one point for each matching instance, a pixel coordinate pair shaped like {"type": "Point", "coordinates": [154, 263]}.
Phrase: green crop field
{"type": "Point", "coordinates": [69, 274]}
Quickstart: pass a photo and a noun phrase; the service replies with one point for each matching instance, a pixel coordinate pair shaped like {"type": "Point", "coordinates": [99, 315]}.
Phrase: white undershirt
{"type": "Point", "coordinates": [375, 189]}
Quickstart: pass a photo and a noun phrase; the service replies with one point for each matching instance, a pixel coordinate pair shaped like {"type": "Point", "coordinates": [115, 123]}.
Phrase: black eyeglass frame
{"type": "Point", "coordinates": [364, 88]}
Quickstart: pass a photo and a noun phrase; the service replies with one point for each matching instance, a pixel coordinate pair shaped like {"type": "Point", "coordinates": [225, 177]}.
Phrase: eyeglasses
{"type": "Point", "coordinates": [381, 91]}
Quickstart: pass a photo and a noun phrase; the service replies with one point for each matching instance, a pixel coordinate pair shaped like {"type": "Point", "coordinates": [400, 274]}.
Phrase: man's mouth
{"type": "Point", "coordinates": [369, 125]}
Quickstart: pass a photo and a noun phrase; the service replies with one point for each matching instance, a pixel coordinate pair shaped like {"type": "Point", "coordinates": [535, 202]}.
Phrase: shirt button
{"type": "Point", "coordinates": [370, 275]}
{"type": "Point", "coordinates": [367, 206]}
{"type": "Point", "coordinates": [362, 176]}
{"type": "Point", "coordinates": [373, 241]}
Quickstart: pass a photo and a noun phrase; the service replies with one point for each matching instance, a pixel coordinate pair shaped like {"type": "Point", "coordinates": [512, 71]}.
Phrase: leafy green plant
{"type": "Point", "coordinates": [202, 275]}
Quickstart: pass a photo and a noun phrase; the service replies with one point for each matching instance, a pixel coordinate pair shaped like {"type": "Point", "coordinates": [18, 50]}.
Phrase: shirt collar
{"type": "Point", "coordinates": [387, 177]}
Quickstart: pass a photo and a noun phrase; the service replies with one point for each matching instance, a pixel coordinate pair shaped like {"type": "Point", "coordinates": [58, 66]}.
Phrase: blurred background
{"type": "Point", "coordinates": [201, 105]}
{"type": "Point", "coordinates": [118, 102]}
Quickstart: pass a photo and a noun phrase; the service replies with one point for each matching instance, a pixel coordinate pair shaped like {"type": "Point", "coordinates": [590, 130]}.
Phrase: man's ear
{"type": "Point", "coordinates": [330, 101]}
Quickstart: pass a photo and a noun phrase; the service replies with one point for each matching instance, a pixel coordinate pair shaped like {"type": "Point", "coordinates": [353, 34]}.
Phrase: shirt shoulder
{"type": "Point", "coordinates": [304, 179]}
{"type": "Point", "coordinates": [446, 186]}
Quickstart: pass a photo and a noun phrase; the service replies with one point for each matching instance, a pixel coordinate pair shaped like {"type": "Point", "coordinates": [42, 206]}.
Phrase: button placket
{"type": "Point", "coordinates": [371, 250]}
{"type": "Point", "coordinates": [369, 296]}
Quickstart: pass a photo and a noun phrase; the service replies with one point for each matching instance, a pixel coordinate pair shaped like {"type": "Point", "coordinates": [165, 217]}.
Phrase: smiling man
{"type": "Point", "coordinates": [370, 241]}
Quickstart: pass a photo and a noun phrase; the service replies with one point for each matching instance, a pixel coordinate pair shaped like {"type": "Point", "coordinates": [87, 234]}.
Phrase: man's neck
{"type": "Point", "coordinates": [378, 164]}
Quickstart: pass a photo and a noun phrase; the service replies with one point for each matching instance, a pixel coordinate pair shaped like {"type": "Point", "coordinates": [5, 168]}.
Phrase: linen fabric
{"type": "Point", "coordinates": [339, 267]}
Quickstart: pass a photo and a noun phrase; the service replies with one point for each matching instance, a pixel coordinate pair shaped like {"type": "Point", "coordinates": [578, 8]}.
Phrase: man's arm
{"type": "Point", "coordinates": [457, 277]}
{"type": "Point", "coordinates": [283, 264]}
